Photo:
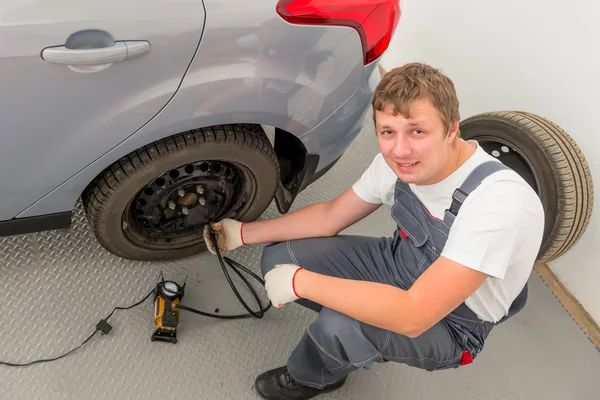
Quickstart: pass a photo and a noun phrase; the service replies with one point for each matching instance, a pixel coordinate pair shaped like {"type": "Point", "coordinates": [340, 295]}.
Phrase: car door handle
{"type": "Point", "coordinates": [120, 51]}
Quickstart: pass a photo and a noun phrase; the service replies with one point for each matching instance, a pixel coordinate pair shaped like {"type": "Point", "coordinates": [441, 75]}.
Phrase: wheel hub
{"type": "Point", "coordinates": [510, 156]}
{"type": "Point", "coordinates": [188, 199]}
{"type": "Point", "coordinates": [183, 200]}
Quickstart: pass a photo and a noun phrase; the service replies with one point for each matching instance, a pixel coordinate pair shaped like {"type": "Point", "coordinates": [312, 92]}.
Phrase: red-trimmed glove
{"type": "Point", "coordinates": [228, 233]}
{"type": "Point", "coordinates": [280, 286]}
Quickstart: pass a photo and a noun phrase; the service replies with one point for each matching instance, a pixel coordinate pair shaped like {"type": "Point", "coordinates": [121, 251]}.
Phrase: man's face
{"type": "Point", "coordinates": [417, 149]}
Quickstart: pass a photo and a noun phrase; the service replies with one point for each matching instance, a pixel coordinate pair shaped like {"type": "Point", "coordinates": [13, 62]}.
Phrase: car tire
{"type": "Point", "coordinates": [153, 203]}
{"type": "Point", "coordinates": [550, 161]}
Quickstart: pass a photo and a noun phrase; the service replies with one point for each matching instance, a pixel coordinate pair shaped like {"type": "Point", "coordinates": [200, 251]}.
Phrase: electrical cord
{"type": "Point", "coordinates": [104, 327]}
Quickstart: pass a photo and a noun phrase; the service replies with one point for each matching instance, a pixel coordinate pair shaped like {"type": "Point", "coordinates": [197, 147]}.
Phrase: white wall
{"type": "Point", "coordinates": [541, 56]}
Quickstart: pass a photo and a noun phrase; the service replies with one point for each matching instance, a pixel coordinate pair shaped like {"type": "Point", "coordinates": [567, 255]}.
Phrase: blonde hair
{"type": "Point", "coordinates": [403, 85]}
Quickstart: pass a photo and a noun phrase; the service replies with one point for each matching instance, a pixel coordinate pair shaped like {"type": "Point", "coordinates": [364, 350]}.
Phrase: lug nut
{"type": "Point", "coordinates": [202, 201]}
{"type": "Point", "coordinates": [184, 210]}
{"type": "Point", "coordinates": [172, 205]}
{"type": "Point", "coordinates": [199, 189]}
{"type": "Point", "coordinates": [181, 192]}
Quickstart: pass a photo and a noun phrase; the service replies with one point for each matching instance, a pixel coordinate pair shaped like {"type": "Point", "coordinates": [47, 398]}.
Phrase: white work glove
{"type": "Point", "coordinates": [228, 233]}
{"type": "Point", "coordinates": [279, 283]}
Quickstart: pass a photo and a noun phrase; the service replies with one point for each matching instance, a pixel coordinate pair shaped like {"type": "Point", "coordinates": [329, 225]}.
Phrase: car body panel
{"type": "Point", "coordinates": [56, 119]}
{"type": "Point", "coordinates": [253, 67]}
{"type": "Point", "coordinates": [331, 138]}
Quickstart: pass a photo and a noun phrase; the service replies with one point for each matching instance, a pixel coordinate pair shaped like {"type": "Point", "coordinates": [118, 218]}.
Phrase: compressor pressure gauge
{"type": "Point", "coordinates": [170, 289]}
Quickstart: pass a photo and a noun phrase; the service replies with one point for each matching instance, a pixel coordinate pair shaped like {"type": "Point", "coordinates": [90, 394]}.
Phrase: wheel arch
{"type": "Point", "coordinates": [296, 165]}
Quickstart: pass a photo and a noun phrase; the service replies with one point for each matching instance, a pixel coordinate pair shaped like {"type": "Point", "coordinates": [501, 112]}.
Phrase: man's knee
{"type": "Point", "coordinates": [272, 254]}
{"type": "Point", "coordinates": [267, 260]}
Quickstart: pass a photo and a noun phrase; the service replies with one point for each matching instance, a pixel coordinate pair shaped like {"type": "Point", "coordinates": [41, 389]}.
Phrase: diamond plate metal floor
{"type": "Point", "coordinates": [57, 285]}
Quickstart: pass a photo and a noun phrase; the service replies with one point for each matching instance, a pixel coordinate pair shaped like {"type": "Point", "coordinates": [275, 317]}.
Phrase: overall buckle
{"type": "Point", "coordinates": [458, 198]}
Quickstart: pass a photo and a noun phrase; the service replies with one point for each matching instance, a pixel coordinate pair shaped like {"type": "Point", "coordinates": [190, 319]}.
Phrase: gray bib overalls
{"type": "Point", "coordinates": [335, 344]}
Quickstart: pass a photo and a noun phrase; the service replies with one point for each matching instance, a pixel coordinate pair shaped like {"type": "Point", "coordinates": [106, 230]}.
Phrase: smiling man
{"type": "Point", "coordinates": [428, 296]}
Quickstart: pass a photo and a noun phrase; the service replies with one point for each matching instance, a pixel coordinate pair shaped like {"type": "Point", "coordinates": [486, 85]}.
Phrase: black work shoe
{"type": "Point", "coordinates": [277, 384]}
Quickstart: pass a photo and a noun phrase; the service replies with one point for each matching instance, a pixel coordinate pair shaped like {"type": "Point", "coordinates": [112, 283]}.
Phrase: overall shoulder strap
{"type": "Point", "coordinates": [481, 172]}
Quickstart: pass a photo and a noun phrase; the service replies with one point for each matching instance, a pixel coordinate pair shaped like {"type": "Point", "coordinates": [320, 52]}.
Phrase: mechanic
{"type": "Point", "coordinates": [429, 295]}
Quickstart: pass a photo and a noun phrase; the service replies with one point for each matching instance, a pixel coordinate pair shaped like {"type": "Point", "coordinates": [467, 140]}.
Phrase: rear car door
{"type": "Point", "coordinates": [79, 77]}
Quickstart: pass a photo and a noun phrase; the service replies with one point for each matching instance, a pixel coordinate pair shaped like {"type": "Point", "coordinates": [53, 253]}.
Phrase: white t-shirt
{"type": "Point", "coordinates": [498, 229]}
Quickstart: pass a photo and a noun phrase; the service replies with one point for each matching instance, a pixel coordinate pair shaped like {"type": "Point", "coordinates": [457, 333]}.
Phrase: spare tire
{"type": "Point", "coordinates": [153, 203]}
{"type": "Point", "coordinates": [550, 161]}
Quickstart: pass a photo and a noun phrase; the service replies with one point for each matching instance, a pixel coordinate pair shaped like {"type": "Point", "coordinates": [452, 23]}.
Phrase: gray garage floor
{"type": "Point", "coordinates": [57, 285]}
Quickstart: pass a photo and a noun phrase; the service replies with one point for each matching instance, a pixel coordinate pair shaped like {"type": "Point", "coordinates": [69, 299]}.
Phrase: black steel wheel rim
{"type": "Point", "coordinates": [512, 157]}
{"type": "Point", "coordinates": [172, 209]}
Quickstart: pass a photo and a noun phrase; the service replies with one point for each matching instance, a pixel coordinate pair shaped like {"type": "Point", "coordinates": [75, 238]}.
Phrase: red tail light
{"type": "Point", "coordinates": [375, 20]}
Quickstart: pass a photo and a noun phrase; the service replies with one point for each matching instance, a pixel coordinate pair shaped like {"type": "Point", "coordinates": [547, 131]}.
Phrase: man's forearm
{"type": "Point", "coordinates": [310, 221]}
{"type": "Point", "coordinates": [376, 304]}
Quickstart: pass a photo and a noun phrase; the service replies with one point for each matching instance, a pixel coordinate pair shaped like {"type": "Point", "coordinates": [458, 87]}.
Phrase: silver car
{"type": "Point", "coordinates": [154, 113]}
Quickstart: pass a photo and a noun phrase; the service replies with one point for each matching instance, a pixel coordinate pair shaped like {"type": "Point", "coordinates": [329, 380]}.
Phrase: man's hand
{"type": "Point", "coordinates": [228, 233]}
{"type": "Point", "coordinates": [280, 285]}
